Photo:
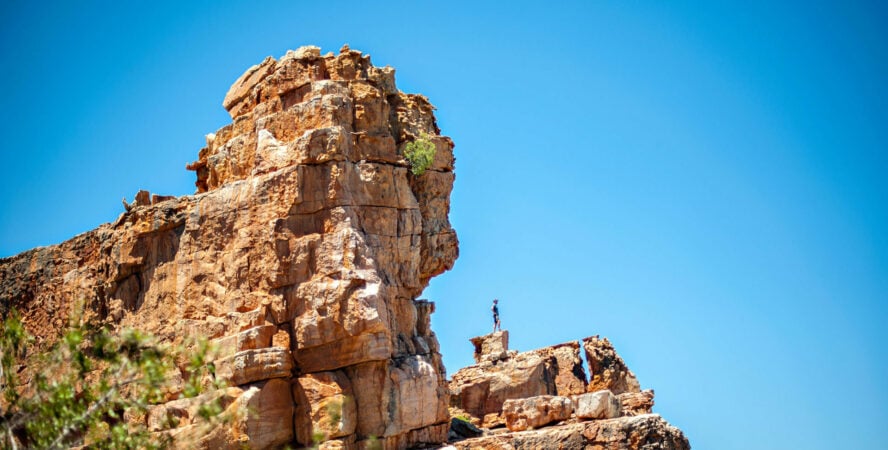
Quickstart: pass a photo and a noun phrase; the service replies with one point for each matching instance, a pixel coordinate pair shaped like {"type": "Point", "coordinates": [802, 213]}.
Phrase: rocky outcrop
{"type": "Point", "coordinates": [481, 389]}
{"type": "Point", "coordinates": [566, 367]}
{"type": "Point", "coordinates": [491, 347]}
{"type": "Point", "coordinates": [545, 391]}
{"type": "Point", "coordinates": [301, 254]}
{"type": "Point", "coordinates": [645, 432]}
{"type": "Point", "coordinates": [606, 369]}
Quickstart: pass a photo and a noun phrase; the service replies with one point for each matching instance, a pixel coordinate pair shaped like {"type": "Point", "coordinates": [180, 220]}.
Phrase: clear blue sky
{"type": "Point", "coordinates": [705, 185]}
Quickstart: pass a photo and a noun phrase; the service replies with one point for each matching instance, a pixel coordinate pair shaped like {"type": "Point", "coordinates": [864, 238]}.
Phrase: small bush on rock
{"type": "Point", "coordinates": [420, 153]}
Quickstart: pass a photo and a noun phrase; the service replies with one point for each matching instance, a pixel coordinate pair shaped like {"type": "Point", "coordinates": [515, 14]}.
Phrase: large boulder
{"type": "Point", "coordinates": [597, 405]}
{"type": "Point", "coordinates": [462, 429]}
{"type": "Point", "coordinates": [534, 412]}
{"type": "Point", "coordinates": [566, 366]}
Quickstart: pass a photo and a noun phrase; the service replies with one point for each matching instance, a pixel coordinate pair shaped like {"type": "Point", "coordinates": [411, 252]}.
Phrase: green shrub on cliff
{"type": "Point", "coordinates": [94, 387]}
{"type": "Point", "coordinates": [420, 153]}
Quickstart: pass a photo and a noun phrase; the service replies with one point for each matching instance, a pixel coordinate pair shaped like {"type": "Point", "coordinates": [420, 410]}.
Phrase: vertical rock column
{"type": "Point", "coordinates": [361, 238]}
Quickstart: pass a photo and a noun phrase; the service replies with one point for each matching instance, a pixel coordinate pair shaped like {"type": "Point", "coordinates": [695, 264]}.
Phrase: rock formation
{"type": "Point", "coordinates": [607, 369]}
{"type": "Point", "coordinates": [481, 389]}
{"type": "Point", "coordinates": [543, 398]}
{"type": "Point", "coordinates": [301, 254]}
{"type": "Point", "coordinates": [491, 347]}
{"type": "Point", "coordinates": [646, 432]}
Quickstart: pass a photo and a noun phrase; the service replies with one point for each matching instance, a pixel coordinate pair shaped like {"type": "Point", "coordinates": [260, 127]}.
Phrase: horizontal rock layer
{"type": "Point", "coordinates": [645, 432]}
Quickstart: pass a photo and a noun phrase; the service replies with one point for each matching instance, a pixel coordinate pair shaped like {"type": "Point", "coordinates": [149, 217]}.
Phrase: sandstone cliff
{"type": "Point", "coordinates": [301, 254]}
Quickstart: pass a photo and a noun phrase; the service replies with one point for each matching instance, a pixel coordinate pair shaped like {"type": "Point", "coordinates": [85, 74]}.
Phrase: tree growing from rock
{"type": "Point", "coordinates": [420, 153]}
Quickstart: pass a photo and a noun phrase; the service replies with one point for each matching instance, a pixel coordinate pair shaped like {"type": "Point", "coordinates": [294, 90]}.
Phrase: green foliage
{"type": "Point", "coordinates": [373, 443]}
{"type": "Point", "coordinates": [463, 418]}
{"type": "Point", "coordinates": [94, 387]}
{"type": "Point", "coordinates": [420, 153]}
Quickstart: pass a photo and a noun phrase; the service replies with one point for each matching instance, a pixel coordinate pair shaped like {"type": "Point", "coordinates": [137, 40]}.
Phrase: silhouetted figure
{"type": "Point", "coordinates": [495, 310]}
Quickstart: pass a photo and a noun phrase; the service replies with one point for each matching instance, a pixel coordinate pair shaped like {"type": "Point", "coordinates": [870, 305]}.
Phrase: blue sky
{"type": "Point", "coordinates": [703, 184]}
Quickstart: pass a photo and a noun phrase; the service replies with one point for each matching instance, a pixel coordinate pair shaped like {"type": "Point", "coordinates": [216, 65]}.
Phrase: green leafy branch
{"type": "Point", "coordinates": [95, 387]}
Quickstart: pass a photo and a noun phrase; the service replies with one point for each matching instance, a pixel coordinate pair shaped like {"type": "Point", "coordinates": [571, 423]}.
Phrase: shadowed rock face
{"type": "Point", "coordinates": [301, 254]}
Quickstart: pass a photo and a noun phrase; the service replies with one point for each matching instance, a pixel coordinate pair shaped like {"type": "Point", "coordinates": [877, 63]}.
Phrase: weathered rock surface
{"type": "Point", "coordinates": [645, 432]}
{"type": "Point", "coordinates": [565, 363]}
{"type": "Point", "coordinates": [325, 406]}
{"type": "Point", "coordinates": [534, 412]}
{"type": "Point", "coordinates": [481, 389]}
{"type": "Point", "coordinates": [597, 405]}
{"type": "Point", "coordinates": [534, 389]}
{"type": "Point", "coordinates": [606, 369]}
{"type": "Point", "coordinates": [267, 427]}
{"type": "Point", "coordinates": [255, 365]}
{"type": "Point", "coordinates": [491, 347]}
{"type": "Point", "coordinates": [302, 254]}
{"type": "Point", "coordinates": [636, 403]}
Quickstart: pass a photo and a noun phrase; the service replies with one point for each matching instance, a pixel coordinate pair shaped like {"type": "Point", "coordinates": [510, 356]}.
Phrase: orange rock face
{"type": "Point", "coordinates": [534, 412]}
{"type": "Point", "coordinates": [542, 396]}
{"type": "Point", "coordinates": [644, 432]}
{"type": "Point", "coordinates": [607, 369]}
{"type": "Point", "coordinates": [500, 375]}
{"type": "Point", "coordinates": [301, 254]}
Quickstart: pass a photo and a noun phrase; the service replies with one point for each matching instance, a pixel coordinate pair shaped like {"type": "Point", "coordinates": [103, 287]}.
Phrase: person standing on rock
{"type": "Point", "coordinates": [495, 310]}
